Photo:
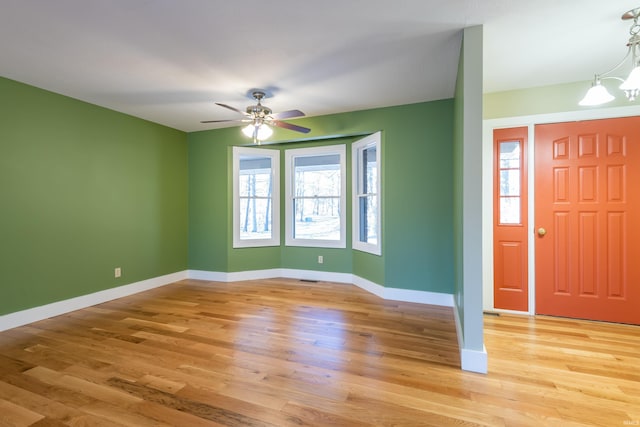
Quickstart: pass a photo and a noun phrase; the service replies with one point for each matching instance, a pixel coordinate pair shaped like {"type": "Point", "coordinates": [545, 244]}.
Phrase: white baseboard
{"type": "Point", "coordinates": [405, 295]}
{"type": "Point", "coordinates": [394, 294]}
{"type": "Point", "coordinates": [470, 360]}
{"type": "Point", "coordinates": [421, 297]}
{"type": "Point", "coordinates": [272, 273]}
{"type": "Point", "coordinates": [212, 276]}
{"type": "Point", "coordinates": [19, 318]}
{"type": "Point", "coordinates": [474, 360]}
{"type": "Point", "coordinates": [321, 276]}
{"type": "Point", "coordinates": [238, 276]}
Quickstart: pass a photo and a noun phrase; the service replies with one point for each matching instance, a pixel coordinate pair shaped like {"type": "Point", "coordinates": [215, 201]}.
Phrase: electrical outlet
{"type": "Point", "coordinates": [320, 259]}
{"type": "Point", "coordinates": [117, 272]}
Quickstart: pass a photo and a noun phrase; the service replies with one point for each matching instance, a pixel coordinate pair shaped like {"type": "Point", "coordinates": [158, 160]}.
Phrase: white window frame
{"type": "Point", "coordinates": [290, 156]}
{"type": "Point", "coordinates": [373, 140]}
{"type": "Point", "coordinates": [274, 155]}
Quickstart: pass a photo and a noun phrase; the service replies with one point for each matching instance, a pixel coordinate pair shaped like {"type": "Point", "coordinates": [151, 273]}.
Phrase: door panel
{"type": "Point", "coordinates": [511, 290]}
{"type": "Point", "coordinates": [587, 262]}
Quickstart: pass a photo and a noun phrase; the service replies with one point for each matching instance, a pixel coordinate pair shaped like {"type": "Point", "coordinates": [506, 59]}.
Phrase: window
{"type": "Point", "coordinates": [315, 188]}
{"type": "Point", "coordinates": [510, 178]}
{"type": "Point", "coordinates": [256, 201]}
{"type": "Point", "coordinates": [366, 194]}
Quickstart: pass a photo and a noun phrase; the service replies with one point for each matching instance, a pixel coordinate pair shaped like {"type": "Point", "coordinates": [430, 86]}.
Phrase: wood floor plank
{"type": "Point", "coordinates": [12, 414]}
{"type": "Point", "coordinates": [282, 352]}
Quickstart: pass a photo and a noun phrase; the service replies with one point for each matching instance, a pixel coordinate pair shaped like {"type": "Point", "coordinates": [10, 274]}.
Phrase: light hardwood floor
{"type": "Point", "coordinates": [291, 353]}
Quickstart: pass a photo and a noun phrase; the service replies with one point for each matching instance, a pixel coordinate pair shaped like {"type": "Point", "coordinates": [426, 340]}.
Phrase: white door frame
{"type": "Point", "coordinates": [487, 187]}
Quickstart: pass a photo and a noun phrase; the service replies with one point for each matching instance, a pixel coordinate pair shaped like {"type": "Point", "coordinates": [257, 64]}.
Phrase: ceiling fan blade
{"type": "Point", "coordinates": [287, 114]}
{"type": "Point", "coordinates": [290, 126]}
{"type": "Point", "coordinates": [221, 121]}
{"type": "Point", "coordinates": [232, 108]}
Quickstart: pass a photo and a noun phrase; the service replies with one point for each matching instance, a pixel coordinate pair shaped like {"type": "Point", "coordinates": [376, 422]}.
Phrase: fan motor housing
{"type": "Point", "coordinates": [258, 110]}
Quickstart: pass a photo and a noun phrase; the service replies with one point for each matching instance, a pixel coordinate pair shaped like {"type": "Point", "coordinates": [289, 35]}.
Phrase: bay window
{"type": "Point", "coordinates": [315, 191]}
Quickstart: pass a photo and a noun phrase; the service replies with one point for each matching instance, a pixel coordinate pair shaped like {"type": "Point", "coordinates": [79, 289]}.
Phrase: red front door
{"type": "Point", "coordinates": [587, 219]}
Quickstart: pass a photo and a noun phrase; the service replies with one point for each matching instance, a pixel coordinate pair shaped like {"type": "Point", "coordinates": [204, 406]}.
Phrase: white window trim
{"type": "Point", "coordinates": [356, 147]}
{"type": "Point", "coordinates": [275, 197]}
{"type": "Point", "coordinates": [290, 155]}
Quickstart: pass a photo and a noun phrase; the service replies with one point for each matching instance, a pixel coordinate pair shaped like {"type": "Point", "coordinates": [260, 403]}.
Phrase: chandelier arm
{"type": "Point", "coordinates": [611, 78]}
{"type": "Point", "coordinates": [620, 64]}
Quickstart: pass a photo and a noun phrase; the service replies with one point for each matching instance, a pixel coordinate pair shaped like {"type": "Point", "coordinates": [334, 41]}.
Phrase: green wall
{"type": "Point", "coordinates": [84, 190]}
{"type": "Point", "coordinates": [416, 201]}
{"type": "Point", "coordinates": [417, 187]}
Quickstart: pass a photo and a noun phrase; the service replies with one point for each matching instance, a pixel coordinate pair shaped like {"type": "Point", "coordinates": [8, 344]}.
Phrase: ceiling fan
{"type": "Point", "coordinates": [261, 117]}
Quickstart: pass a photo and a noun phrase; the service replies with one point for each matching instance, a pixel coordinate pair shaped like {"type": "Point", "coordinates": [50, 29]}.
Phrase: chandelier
{"type": "Point", "coordinates": [598, 94]}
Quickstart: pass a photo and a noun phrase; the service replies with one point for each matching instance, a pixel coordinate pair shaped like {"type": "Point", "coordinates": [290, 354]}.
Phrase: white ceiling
{"type": "Point", "coordinates": [168, 61]}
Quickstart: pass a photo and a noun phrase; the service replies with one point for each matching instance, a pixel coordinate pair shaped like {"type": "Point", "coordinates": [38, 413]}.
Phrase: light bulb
{"type": "Point", "coordinates": [264, 131]}
{"type": "Point", "coordinates": [248, 131]}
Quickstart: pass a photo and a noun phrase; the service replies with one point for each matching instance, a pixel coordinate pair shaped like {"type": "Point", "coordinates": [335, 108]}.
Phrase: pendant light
{"type": "Point", "coordinates": [598, 94]}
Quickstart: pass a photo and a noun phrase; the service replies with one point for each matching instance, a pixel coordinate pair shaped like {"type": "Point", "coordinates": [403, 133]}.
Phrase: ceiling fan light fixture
{"type": "Point", "coordinates": [264, 131]}
{"type": "Point", "coordinates": [596, 95]}
{"type": "Point", "coordinates": [261, 119]}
